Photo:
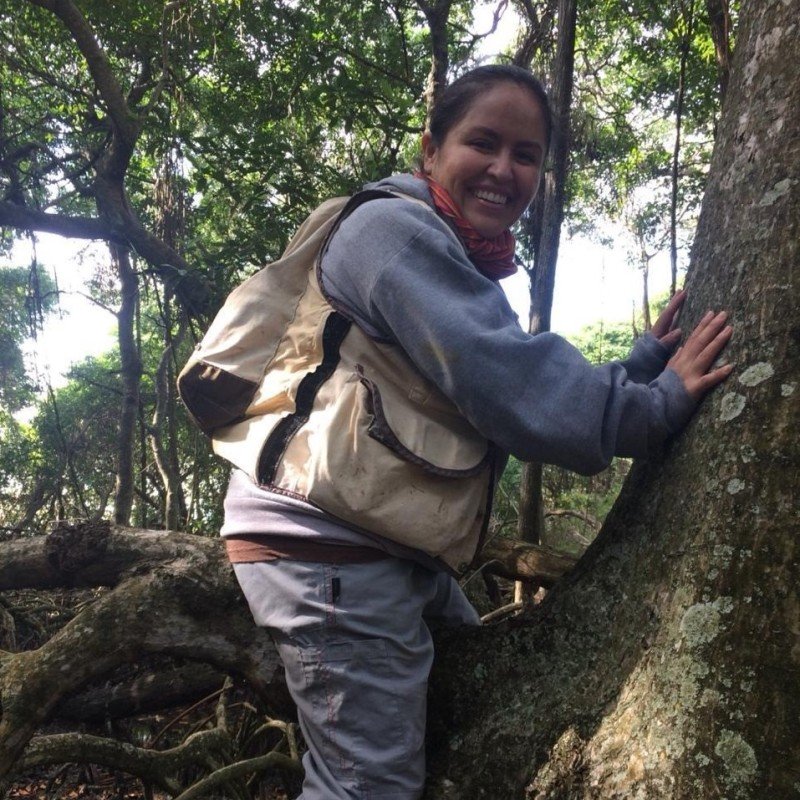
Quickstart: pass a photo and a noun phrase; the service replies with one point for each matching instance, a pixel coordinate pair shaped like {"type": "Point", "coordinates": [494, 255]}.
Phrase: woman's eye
{"type": "Point", "coordinates": [481, 144]}
{"type": "Point", "coordinates": [527, 158]}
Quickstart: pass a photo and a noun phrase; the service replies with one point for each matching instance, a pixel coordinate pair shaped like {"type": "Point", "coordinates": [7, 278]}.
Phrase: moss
{"type": "Point", "coordinates": [739, 763]}
{"type": "Point", "coordinates": [731, 406]}
{"type": "Point", "coordinates": [757, 373]}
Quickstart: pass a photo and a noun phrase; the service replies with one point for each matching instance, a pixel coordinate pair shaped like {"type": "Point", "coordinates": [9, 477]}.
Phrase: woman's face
{"type": "Point", "coordinates": [490, 161]}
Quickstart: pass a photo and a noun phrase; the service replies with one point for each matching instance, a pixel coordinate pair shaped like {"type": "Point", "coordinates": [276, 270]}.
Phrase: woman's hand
{"type": "Point", "coordinates": [693, 362]}
{"type": "Point", "coordinates": [664, 329]}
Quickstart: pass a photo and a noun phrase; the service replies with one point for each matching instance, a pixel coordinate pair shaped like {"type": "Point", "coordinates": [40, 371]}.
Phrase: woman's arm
{"type": "Point", "coordinates": [405, 280]}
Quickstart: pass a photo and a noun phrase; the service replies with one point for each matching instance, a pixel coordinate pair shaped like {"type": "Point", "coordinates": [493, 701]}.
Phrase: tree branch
{"type": "Point", "coordinates": [517, 560]}
{"type": "Point", "coordinates": [13, 215]}
{"type": "Point", "coordinates": [125, 230]}
{"type": "Point", "coordinates": [127, 124]}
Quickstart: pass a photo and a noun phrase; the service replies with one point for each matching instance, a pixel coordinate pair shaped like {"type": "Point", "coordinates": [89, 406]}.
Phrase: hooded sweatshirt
{"type": "Point", "coordinates": [405, 281]}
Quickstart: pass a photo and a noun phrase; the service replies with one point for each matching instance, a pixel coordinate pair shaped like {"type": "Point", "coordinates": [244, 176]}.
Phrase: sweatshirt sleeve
{"type": "Point", "coordinates": [647, 359]}
{"type": "Point", "coordinates": [405, 280]}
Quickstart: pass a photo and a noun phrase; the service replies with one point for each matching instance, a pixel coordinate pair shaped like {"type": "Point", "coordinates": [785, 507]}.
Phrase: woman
{"type": "Point", "coordinates": [415, 380]}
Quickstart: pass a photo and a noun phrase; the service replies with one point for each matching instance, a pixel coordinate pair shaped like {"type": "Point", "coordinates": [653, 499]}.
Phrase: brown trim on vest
{"type": "Point", "coordinates": [336, 328]}
{"type": "Point", "coordinates": [213, 396]}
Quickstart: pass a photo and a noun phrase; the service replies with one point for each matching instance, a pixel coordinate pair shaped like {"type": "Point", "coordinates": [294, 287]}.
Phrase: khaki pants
{"type": "Point", "coordinates": [357, 651]}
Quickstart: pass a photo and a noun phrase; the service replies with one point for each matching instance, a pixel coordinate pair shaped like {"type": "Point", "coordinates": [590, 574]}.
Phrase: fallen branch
{"type": "Point", "coordinates": [174, 595]}
{"type": "Point", "coordinates": [534, 563]}
{"type": "Point", "coordinates": [144, 694]}
{"type": "Point", "coordinates": [502, 612]}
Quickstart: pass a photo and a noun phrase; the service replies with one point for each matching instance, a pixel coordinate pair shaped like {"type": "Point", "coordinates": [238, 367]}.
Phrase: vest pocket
{"type": "Point", "coordinates": [417, 474]}
{"type": "Point", "coordinates": [441, 444]}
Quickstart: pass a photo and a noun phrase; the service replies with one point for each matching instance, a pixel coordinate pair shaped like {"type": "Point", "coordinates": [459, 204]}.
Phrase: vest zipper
{"type": "Point", "coordinates": [336, 328]}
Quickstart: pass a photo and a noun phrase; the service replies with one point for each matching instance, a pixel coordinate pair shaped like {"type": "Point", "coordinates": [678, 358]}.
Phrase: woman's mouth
{"type": "Point", "coordinates": [491, 197]}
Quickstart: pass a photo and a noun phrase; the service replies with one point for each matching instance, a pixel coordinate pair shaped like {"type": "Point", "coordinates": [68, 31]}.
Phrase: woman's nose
{"type": "Point", "coordinates": [501, 165]}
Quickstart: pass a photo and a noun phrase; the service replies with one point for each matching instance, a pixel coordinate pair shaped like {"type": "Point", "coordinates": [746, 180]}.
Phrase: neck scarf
{"type": "Point", "coordinates": [493, 257]}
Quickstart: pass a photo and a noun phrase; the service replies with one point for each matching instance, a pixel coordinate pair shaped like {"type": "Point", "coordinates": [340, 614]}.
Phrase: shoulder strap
{"type": "Point", "coordinates": [366, 195]}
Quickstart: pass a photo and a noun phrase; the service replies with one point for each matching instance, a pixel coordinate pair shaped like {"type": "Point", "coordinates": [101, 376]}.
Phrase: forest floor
{"type": "Point", "coordinates": [71, 782]}
{"type": "Point", "coordinates": [35, 617]}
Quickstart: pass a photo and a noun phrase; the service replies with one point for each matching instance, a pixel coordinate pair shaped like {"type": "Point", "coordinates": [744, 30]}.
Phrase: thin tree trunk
{"type": "Point", "coordinates": [131, 373]}
{"type": "Point", "coordinates": [174, 505]}
{"type": "Point", "coordinates": [687, 14]}
{"type": "Point", "coordinates": [546, 230]}
{"type": "Point", "coordinates": [37, 499]}
{"type": "Point", "coordinates": [67, 447]}
{"type": "Point", "coordinates": [141, 505]}
{"type": "Point", "coordinates": [719, 20]}
{"type": "Point", "coordinates": [647, 319]}
{"type": "Point", "coordinates": [173, 457]}
{"type": "Point", "coordinates": [436, 14]}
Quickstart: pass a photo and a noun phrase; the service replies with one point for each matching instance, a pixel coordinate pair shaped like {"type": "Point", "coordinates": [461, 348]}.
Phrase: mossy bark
{"type": "Point", "coordinates": [667, 664]}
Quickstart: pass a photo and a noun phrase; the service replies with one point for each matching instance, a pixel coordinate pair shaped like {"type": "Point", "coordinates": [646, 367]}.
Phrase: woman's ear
{"type": "Point", "coordinates": [428, 152]}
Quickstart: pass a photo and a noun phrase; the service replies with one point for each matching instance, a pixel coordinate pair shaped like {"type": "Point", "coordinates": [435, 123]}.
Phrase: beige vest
{"type": "Point", "coordinates": [336, 418]}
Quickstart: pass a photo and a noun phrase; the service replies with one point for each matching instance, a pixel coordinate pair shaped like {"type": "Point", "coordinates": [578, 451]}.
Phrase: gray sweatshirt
{"type": "Point", "coordinates": [406, 281]}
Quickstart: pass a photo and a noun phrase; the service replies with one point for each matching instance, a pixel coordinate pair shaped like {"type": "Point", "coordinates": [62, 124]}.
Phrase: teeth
{"type": "Point", "coordinates": [500, 199]}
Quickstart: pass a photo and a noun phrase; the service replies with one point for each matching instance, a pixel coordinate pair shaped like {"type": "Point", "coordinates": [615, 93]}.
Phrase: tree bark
{"type": "Point", "coordinates": [130, 374]}
{"type": "Point", "coordinates": [719, 19]}
{"type": "Point", "coordinates": [666, 664]}
{"type": "Point", "coordinates": [148, 693]}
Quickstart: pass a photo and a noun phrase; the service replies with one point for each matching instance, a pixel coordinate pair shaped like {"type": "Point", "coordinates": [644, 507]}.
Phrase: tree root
{"type": "Point", "coordinates": [232, 772]}
{"type": "Point", "coordinates": [159, 767]}
{"type": "Point", "coordinates": [173, 595]}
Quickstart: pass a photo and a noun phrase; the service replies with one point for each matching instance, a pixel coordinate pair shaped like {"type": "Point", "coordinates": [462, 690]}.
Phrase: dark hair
{"type": "Point", "coordinates": [457, 98]}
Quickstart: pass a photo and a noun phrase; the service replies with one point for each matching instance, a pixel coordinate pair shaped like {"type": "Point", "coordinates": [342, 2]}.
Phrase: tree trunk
{"type": "Point", "coordinates": [719, 20]}
{"type": "Point", "coordinates": [545, 230]}
{"type": "Point", "coordinates": [686, 23]}
{"type": "Point", "coordinates": [161, 444]}
{"type": "Point", "coordinates": [436, 14]}
{"type": "Point", "coordinates": [131, 373]}
{"type": "Point", "coordinates": [647, 321]}
{"type": "Point", "coordinates": [666, 664]}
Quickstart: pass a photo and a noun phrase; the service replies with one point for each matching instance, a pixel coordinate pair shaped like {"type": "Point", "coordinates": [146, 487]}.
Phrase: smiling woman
{"type": "Point", "coordinates": [395, 379]}
{"type": "Point", "coordinates": [490, 161]}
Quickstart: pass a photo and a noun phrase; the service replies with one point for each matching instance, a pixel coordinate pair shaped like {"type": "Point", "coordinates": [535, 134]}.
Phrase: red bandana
{"type": "Point", "coordinates": [493, 257]}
